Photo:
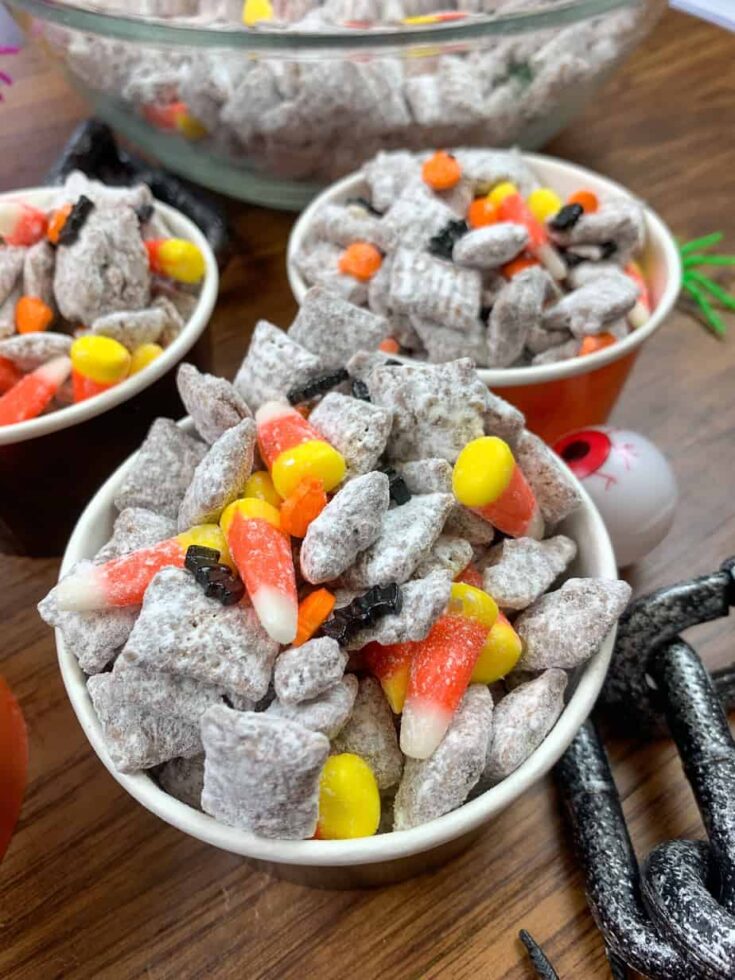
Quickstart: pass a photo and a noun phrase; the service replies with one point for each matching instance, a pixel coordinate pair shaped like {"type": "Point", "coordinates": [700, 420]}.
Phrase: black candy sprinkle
{"type": "Point", "coordinates": [399, 492]}
{"type": "Point", "coordinates": [608, 249]}
{"type": "Point", "coordinates": [442, 243]}
{"type": "Point", "coordinates": [567, 217]}
{"type": "Point", "coordinates": [364, 203]}
{"type": "Point", "coordinates": [76, 220]}
{"type": "Point", "coordinates": [363, 612]}
{"type": "Point", "coordinates": [197, 555]}
{"type": "Point", "coordinates": [220, 582]}
{"type": "Point", "coordinates": [317, 386]}
{"type": "Point", "coordinates": [391, 362]}
{"type": "Point", "coordinates": [360, 390]}
{"type": "Point", "coordinates": [485, 312]}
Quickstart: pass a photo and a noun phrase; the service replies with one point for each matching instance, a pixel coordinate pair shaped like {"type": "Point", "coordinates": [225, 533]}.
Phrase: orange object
{"type": "Point", "coordinates": [470, 576]}
{"type": "Point", "coordinates": [13, 764]}
{"type": "Point", "coordinates": [57, 222]}
{"type": "Point", "coordinates": [517, 265]}
{"type": "Point", "coordinates": [84, 388]}
{"type": "Point", "coordinates": [389, 346]}
{"type": "Point", "coordinates": [30, 396]}
{"type": "Point", "coordinates": [441, 171]}
{"type": "Point", "coordinates": [482, 212]}
{"type": "Point", "coordinates": [281, 427]}
{"type": "Point", "coordinates": [361, 260]}
{"type": "Point", "coordinates": [634, 272]}
{"type": "Point", "coordinates": [514, 208]}
{"type": "Point", "coordinates": [391, 664]}
{"type": "Point", "coordinates": [587, 200]}
{"type": "Point", "coordinates": [591, 344]}
{"type": "Point", "coordinates": [306, 503]}
{"type": "Point", "coordinates": [163, 116]}
{"type": "Point", "coordinates": [9, 375]}
{"type": "Point", "coordinates": [314, 610]}
{"type": "Point", "coordinates": [32, 315]}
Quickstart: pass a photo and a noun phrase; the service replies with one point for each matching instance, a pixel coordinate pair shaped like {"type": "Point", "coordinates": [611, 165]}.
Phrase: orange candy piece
{"type": "Point", "coordinates": [441, 171]}
{"type": "Point", "coordinates": [517, 265]}
{"type": "Point", "coordinates": [482, 212]}
{"type": "Point", "coordinates": [361, 260]}
{"type": "Point", "coordinates": [391, 665]}
{"type": "Point", "coordinates": [587, 200]}
{"type": "Point", "coordinates": [57, 222]}
{"type": "Point", "coordinates": [389, 346]}
{"type": "Point", "coordinates": [314, 610]}
{"type": "Point", "coordinates": [32, 315]}
{"type": "Point", "coordinates": [470, 576]}
{"type": "Point", "coordinates": [299, 509]}
{"type": "Point", "coordinates": [9, 375]}
{"type": "Point", "coordinates": [591, 344]}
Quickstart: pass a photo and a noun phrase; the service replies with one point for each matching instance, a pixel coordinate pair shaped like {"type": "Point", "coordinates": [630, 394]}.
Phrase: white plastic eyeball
{"type": "Point", "coordinates": [630, 481]}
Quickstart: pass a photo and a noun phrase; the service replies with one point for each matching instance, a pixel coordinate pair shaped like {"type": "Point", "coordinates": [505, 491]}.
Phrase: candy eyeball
{"type": "Point", "coordinates": [630, 481]}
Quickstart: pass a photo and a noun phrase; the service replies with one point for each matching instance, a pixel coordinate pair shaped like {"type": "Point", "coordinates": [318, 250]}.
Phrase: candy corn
{"type": "Point", "coordinates": [255, 11]}
{"type": "Point", "coordinates": [294, 451]}
{"type": "Point", "coordinates": [123, 581]}
{"type": "Point", "coordinates": [487, 479]}
{"type": "Point", "coordinates": [98, 363]}
{"type": "Point", "coordinates": [143, 356]}
{"type": "Point", "coordinates": [176, 258]}
{"type": "Point", "coordinates": [260, 485]}
{"type": "Point", "coordinates": [512, 207]}
{"type": "Point", "coordinates": [175, 116]}
{"type": "Point", "coordinates": [641, 312]}
{"type": "Point", "coordinates": [500, 653]}
{"type": "Point", "coordinates": [262, 554]}
{"type": "Point", "coordinates": [594, 342]}
{"type": "Point", "coordinates": [30, 396]}
{"type": "Point", "coordinates": [9, 375]}
{"type": "Point", "coordinates": [470, 576]}
{"type": "Point", "coordinates": [543, 203]}
{"type": "Point", "coordinates": [390, 665]}
{"type": "Point", "coordinates": [21, 224]}
{"type": "Point", "coordinates": [349, 799]}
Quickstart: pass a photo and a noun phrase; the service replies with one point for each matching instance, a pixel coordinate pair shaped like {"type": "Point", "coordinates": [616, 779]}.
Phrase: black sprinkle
{"type": "Point", "coordinates": [363, 612]}
{"type": "Point", "coordinates": [391, 362]}
{"type": "Point", "coordinates": [196, 556]}
{"type": "Point", "coordinates": [76, 220]}
{"type": "Point", "coordinates": [485, 312]}
{"type": "Point", "coordinates": [567, 217]}
{"type": "Point", "coordinates": [540, 960]}
{"type": "Point", "coordinates": [144, 213]}
{"type": "Point", "coordinates": [572, 259]}
{"type": "Point", "coordinates": [442, 243]}
{"type": "Point", "coordinates": [364, 203]}
{"type": "Point", "coordinates": [399, 492]}
{"type": "Point", "coordinates": [220, 582]}
{"type": "Point", "coordinates": [608, 249]}
{"type": "Point", "coordinates": [360, 390]}
{"type": "Point", "coordinates": [317, 386]}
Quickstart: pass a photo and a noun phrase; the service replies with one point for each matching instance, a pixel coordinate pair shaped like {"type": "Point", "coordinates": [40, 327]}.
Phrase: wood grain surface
{"type": "Point", "coordinates": [94, 886]}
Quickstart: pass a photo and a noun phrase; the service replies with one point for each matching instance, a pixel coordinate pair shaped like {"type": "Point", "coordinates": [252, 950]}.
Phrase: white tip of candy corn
{"type": "Point", "coordinates": [422, 728]}
{"type": "Point", "coordinates": [639, 315]}
{"type": "Point", "coordinates": [277, 614]}
{"type": "Point", "coordinates": [81, 591]}
{"type": "Point", "coordinates": [54, 372]}
{"type": "Point", "coordinates": [272, 410]}
{"type": "Point", "coordinates": [535, 527]}
{"type": "Point", "coordinates": [552, 261]}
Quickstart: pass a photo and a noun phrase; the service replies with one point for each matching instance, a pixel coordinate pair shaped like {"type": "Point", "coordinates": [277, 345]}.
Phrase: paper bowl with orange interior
{"type": "Point", "coordinates": [50, 464]}
{"type": "Point", "coordinates": [383, 857]}
{"type": "Point", "coordinates": [580, 390]}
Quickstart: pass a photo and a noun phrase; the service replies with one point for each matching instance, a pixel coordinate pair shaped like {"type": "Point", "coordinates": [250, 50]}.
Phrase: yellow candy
{"type": "Point", "coordinates": [499, 193]}
{"type": "Point", "coordinates": [499, 654]}
{"type": "Point", "coordinates": [482, 472]}
{"type": "Point", "coordinates": [395, 687]}
{"type": "Point", "coordinates": [250, 508]}
{"type": "Point", "coordinates": [543, 203]}
{"type": "Point", "coordinates": [207, 536]}
{"type": "Point", "coordinates": [314, 459]}
{"type": "Point", "coordinates": [190, 127]}
{"type": "Point", "coordinates": [254, 11]}
{"type": "Point", "coordinates": [143, 356]}
{"type": "Point", "coordinates": [260, 485]}
{"type": "Point", "coordinates": [472, 603]}
{"type": "Point", "coordinates": [181, 260]}
{"type": "Point", "coordinates": [349, 801]}
{"type": "Point", "coordinates": [100, 359]}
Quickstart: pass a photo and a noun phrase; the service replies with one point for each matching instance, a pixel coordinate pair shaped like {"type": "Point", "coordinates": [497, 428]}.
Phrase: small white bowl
{"type": "Point", "coordinates": [181, 227]}
{"type": "Point", "coordinates": [561, 407]}
{"type": "Point", "coordinates": [371, 860]}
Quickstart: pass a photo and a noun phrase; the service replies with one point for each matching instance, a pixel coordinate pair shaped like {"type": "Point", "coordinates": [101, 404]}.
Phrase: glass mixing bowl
{"type": "Point", "coordinates": [272, 112]}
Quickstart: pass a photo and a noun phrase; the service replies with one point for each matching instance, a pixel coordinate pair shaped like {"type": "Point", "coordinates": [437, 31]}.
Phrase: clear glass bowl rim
{"type": "Point", "coordinates": [150, 31]}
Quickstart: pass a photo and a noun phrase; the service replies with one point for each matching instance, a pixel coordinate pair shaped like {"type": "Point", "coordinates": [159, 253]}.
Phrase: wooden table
{"type": "Point", "coordinates": [94, 886]}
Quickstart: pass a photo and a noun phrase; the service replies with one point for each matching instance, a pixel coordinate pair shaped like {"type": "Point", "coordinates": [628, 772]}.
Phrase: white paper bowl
{"type": "Point", "coordinates": [371, 860]}
{"type": "Point", "coordinates": [575, 392]}
{"type": "Point", "coordinates": [73, 449]}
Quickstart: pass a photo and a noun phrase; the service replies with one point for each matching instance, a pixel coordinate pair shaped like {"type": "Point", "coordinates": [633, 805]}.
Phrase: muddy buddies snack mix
{"type": "Point", "coordinates": [299, 118]}
{"type": "Point", "coordinates": [465, 255]}
{"type": "Point", "coordinates": [86, 293]}
{"type": "Point", "coordinates": [351, 628]}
